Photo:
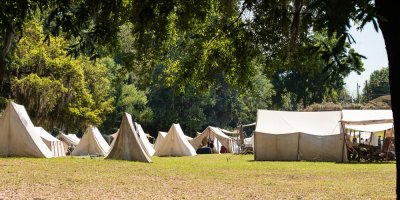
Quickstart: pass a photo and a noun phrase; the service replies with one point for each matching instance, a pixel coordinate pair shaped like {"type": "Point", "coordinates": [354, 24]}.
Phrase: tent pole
{"type": "Point", "coordinates": [298, 147]}
{"type": "Point", "coordinates": [370, 138]}
{"type": "Point", "coordinates": [384, 135]}
{"type": "Point", "coordinates": [344, 138]}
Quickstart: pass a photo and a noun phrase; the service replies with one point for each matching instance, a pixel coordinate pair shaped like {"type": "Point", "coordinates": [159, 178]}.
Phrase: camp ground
{"type": "Point", "coordinates": [337, 136]}
{"type": "Point", "coordinates": [278, 136]}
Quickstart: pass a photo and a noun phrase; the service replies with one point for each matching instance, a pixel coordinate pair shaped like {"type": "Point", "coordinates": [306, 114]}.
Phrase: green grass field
{"type": "Point", "coordinates": [201, 177]}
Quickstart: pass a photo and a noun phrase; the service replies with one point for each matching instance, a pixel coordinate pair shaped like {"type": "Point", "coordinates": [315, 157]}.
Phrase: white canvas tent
{"type": "Point", "coordinates": [367, 122]}
{"type": "Point", "coordinates": [216, 135]}
{"type": "Point", "coordinates": [290, 136]}
{"type": "Point", "coordinates": [54, 144]}
{"type": "Point", "coordinates": [175, 144]}
{"type": "Point", "coordinates": [18, 136]}
{"type": "Point", "coordinates": [127, 145]}
{"type": "Point", "coordinates": [148, 147]}
{"type": "Point", "coordinates": [249, 142]}
{"type": "Point", "coordinates": [69, 139]}
{"type": "Point", "coordinates": [160, 139]}
{"type": "Point", "coordinates": [92, 143]}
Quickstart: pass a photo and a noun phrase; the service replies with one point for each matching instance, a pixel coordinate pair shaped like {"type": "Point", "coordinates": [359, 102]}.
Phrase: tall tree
{"type": "Point", "coordinates": [293, 19]}
{"type": "Point", "coordinates": [13, 15]}
{"type": "Point", "coordinates": [58, 91]}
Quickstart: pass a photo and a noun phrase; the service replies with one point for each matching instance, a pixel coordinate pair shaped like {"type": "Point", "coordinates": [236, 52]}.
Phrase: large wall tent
{"type": "Point", "coordinates": [160, 139]}
{"type": "Point", "coordinates": [291, 136]}
{"type": "Point", "coordinates": [148, 147]}
{"type": "Point", "coordinates": [55, 145]}
{"type": "Point", "coordinates": [127, 145]}
{"type": "Point", "coordinates": [175, 144]}
{"type": "Point", "coordinates": [92, 143]}
{"type": "Point", "coordinates": [18, 136]}
{"type": "Point", "coordinates": [215, 134]}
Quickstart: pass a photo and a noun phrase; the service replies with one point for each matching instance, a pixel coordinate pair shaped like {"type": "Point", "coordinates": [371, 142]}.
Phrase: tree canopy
{"type": "Point", "coordinates": [377, 85]}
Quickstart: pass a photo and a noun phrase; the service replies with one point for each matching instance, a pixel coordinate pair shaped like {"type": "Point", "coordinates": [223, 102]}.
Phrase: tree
{"type": "Point", "coordinates": [58, 91]}
{"type": "Point", "coordinates": [293, 19]}
{"type": "Point", "coordinates": [377, 85]}
{"type": "Point", "coordinates": [13, 15]}
{"type": "Point", "coordinates": [311, 76]}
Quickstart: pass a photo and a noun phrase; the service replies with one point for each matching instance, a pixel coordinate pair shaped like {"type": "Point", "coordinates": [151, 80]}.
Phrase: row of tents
{"type": "Point", "coordinates": [279, 135]}
{"type": "Point", "coordinates": [19, 137]}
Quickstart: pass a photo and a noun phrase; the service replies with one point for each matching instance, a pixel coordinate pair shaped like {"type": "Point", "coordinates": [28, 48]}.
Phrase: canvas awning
{"type": "Point", "coordinates": [370, 127]}
{"type": "Point", "coordinates": [364, 117]}
{"type": "Point", "coordinates": [367, 120]}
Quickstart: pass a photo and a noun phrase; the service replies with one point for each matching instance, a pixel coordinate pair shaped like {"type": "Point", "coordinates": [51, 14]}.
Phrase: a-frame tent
{"type": "Point", "coordinates": [291, 136]}
{"type": "Point", "coordinates": [18, 136]}
{"type": "Point", "coordinates": [160, 139]}
{"type": "Point", "coordinates": [127, 145]}
{"type": "Point", "coordinates": [148, 147]}
{"type": "Point", "coordinates": [55, 145]}
{"type": "Point", "coordinates": [175, 144]}
{"type": "Point", "coordinates": [215, 134]}
{"type": "Point", "coordinates": [92, 143]}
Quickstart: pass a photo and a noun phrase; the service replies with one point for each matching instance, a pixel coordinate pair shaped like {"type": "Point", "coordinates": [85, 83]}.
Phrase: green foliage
{"type": "Point", "coordinates": [135, 102]}
{"type": "Point", "coordinates": [43, 93]}
{"type": "Point", "coordinates": [316, 73]}
{"type": "Point", "coordinates": [187, 108]}
{"type": "Point", "coordinates": [377, 85]}
{"type": "Point", "coordinates": [256, 97]}
{"type": "Point", "coordinates": [57, 90]}
{"type": "Point", "coordinates": [198, 63]}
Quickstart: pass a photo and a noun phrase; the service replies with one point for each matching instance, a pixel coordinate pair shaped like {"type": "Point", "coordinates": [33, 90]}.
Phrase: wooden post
{"type": "Point", "coordinates": [344, 138]}
{"type": "Point", "coordinates": [241, 136]}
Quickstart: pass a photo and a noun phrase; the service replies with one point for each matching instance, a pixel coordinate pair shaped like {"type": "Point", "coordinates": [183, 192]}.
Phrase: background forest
{"type": "Point", "coordinates": [86, 63]}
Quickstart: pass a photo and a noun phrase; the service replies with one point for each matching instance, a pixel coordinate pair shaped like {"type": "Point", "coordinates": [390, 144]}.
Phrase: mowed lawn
{"type": "Point", "coordinates": [201, 177]}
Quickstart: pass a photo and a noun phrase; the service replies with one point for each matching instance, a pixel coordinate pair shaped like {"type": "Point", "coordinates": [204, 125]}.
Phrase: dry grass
{"type": "Point", "coordinates": [200, 177]}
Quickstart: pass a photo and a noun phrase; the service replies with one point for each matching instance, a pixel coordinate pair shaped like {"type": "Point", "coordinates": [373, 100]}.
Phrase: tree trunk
{"type": "Point", "coordinates": [389, 25]}
{"type": "Point", "coordinates": [8, 38]}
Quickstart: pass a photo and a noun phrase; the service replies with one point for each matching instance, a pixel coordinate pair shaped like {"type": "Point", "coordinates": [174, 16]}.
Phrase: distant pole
{"type": "Point", "coordinates": [241, 135]}
{"type": "Point", "coordinates": [366, 89]}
